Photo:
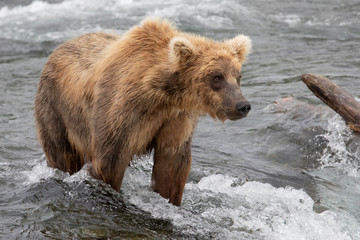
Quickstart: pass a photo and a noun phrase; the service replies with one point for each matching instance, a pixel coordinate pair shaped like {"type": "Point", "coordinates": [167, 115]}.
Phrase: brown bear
{"type": "Point", "coordinates": [104, 99]}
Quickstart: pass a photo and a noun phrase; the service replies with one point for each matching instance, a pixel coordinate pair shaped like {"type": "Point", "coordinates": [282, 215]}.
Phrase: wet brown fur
{"type": "Point", "coordinates": [105, 98]}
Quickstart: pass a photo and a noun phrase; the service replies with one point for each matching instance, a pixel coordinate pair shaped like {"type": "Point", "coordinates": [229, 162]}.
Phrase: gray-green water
{"type": "Point", "coordinates": [287, 171]}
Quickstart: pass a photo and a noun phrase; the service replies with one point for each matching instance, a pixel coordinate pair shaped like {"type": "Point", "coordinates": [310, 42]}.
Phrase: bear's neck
{"type": "Point", "coordinates": [172, 91]}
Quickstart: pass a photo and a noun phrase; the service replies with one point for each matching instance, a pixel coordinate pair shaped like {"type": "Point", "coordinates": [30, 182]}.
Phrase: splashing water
{"type": "Point", "coordinates": [220, 207]}
{"type": "Point", "coordinates": [342, 151]}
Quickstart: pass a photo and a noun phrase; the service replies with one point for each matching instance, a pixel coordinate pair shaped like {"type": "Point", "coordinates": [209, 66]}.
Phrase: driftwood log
{"type": "Point", "coordinates": [336, 98]}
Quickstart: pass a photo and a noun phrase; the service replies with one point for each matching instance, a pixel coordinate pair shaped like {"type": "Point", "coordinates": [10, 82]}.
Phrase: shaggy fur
{"type": "Point", "coordinates": [106, 98]}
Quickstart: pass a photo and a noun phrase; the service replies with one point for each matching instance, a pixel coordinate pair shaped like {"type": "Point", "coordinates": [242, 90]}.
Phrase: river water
{"type": "Point", "coordinates": [290, 170]}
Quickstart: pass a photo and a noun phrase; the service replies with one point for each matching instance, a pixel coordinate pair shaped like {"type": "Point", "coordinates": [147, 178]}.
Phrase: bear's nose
{"type": "Point", "coordinates": [243, 107]}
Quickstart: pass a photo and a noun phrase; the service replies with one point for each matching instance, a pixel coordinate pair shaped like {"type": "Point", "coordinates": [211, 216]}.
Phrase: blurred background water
{"type": "Point", "coordinates": [290, 170]}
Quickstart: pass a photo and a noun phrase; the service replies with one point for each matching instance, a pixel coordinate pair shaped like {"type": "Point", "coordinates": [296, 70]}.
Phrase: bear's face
{"type": "Point", "coordinates": [213, 70]}
{"type": "Point", "coordinates": [221, 90]}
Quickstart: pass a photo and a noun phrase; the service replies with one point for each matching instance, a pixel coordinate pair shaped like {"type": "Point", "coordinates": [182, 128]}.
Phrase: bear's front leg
{"type": "Point", "coordinates": [170, 171]}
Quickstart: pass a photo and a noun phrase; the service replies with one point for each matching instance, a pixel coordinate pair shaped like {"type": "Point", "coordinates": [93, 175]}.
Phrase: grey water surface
{"type": "Point", "coordinates": [290, 170]}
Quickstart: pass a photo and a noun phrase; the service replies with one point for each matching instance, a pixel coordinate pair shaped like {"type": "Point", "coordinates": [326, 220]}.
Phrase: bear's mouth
{"type": "Point", "coordinates": [233, 116]}
{"type": "Point", "coordinates": [236, 117]}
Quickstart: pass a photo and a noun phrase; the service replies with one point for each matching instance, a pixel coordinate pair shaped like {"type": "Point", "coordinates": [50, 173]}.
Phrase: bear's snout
{"type": "Point", "coordinates": [243, 108]}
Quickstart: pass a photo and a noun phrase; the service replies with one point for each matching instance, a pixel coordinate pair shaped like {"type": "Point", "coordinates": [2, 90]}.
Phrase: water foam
{"type": "Point", "coordinates": [42, 172]}
{"type": "Point", "coordinates": [203, 13]}
{"type": "Point", "coordinates": [291, 20]}
{"type": "Point", "coordinates": [338, 154]}
{"type": "Point", "coordinates": [43, 21]}
{"type": "Point", "coordinates": [218, 206]}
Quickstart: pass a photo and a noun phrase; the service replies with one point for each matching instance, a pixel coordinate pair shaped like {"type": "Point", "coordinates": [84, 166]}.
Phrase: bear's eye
{"type": "Point", "coordinates": [217, 81]}
{"type": "Point", "coordinates": [218, 78]}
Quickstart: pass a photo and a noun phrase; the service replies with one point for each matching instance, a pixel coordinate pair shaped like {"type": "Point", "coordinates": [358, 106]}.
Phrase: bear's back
{"type": "Point", "coordinates": [78, 56]}
{"type": "Point", "coordinates": [71, 66]}
{"type": "Point", "coordinates": [84, 50]}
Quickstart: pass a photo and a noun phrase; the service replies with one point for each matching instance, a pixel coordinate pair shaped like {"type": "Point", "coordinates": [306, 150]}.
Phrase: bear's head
{"type": "Point", "coordinates": [210, 73]}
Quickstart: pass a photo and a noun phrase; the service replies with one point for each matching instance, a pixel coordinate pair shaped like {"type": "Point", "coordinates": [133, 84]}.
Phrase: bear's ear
{"type": "Point", "coordinates": [181, 50]}
{"type": "Point", "coordinates": [240, 46]}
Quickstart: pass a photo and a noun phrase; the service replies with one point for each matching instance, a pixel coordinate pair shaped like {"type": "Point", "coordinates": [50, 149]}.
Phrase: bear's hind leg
{"type": "Point", "coordinates": [110, 168]}
{"type": "Point", "coordinates": [58, 151]}
{"type": "Point", "coordinates": [74, 160]}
